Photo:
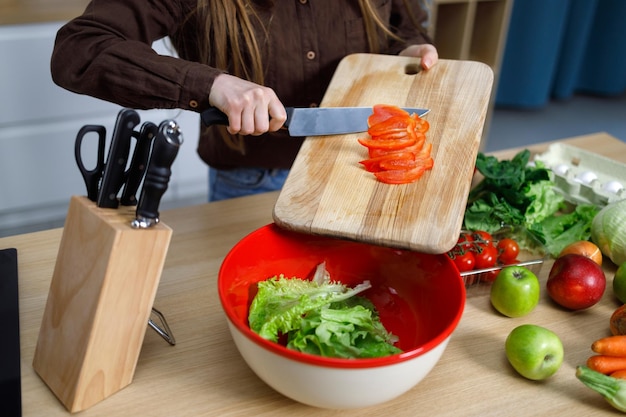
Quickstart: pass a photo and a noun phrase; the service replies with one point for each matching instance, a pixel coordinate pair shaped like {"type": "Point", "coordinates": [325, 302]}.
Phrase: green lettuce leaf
{"type": "Point", "coordinates": [320, 317]}
{"type": "Point", "coordinates": [556, 232]}
{"type": "Point", "coordinates": [545, 201]}
{"type": "Point", "coordinates": [344, 331]}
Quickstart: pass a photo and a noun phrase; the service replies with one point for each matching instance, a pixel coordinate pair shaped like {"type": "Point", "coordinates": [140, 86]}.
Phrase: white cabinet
{"type": "Point", "coordinates": [38, 126]}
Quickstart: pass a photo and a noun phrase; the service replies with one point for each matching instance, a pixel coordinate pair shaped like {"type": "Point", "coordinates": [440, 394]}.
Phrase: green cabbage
{"type": "Point", "coordinates": [608, 231]}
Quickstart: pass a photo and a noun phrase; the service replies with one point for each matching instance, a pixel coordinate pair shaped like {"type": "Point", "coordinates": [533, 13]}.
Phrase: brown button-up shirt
{"type": "Point", "coordinates": [106, 53]}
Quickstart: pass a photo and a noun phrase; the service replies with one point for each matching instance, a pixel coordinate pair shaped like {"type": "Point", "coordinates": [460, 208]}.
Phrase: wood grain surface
{"type": "Point", "coordinates": [329, 193]}
{"type": "Point", "coordinates": [105, 279]}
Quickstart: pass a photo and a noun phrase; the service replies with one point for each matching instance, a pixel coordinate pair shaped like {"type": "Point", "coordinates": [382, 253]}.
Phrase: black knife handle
{"type": "Point", "coordinates": [115, 169]}
{"type": "Point", "coordinates": [213, 116]}
{"type": "Point", "coordinates": [164, 151]}
{"type": "Point", "coordinates": [138, 163]}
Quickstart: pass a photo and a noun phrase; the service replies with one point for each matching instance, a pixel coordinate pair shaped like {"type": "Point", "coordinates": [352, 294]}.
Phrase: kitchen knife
{"type": "Point", "coordinates": [119, 150]}
{"type": "Point", "coordinates": [315, 121]}
{"type": "Point", "coordinates": [138, 163]}
{"type": "Point", "coordinates": [164, 151]}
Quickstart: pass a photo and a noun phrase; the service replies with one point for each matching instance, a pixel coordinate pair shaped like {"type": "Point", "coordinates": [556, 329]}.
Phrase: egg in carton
{"type": "Point", "coordinates": [584, 177]}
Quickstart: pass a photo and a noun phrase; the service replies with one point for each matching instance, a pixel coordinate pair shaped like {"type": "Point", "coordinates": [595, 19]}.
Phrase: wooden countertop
{"type": "Point", "coordinates": [15, 12]}
{"type": "Point", "coordinates": [203, 375]}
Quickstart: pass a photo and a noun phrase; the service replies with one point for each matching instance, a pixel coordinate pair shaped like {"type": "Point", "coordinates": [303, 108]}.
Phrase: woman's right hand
{"type": "Point", "coordinates": [252, 109]}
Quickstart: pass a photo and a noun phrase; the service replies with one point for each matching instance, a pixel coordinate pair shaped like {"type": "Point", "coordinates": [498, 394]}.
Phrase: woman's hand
{"type": "Point", "coordinates": [427, 52]}
{"type": "Point", "coordinates": [251, 108]}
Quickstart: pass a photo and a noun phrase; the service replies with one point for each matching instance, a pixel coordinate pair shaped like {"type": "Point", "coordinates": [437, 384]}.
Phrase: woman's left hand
{"type": "Point", "coordinates": [427, 52]}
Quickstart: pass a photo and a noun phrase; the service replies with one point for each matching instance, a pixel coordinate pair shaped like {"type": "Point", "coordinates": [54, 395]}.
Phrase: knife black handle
{"type": "Point", "coordinates": [115, 169]}
{"type": "Point", "coordinates": [164, 151]}
{"type": "Point", "coordinates": [214, 116]}
{"type": "Point", "coordinates": [138, 163]}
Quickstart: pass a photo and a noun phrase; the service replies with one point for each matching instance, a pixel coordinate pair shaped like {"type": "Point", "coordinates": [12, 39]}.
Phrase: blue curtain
{"type": "Point", "coordinates": [559, 48]}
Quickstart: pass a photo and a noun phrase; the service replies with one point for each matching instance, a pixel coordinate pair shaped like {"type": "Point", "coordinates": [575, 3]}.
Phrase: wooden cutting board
{"type": "Point", "coordinates": [328, 192]}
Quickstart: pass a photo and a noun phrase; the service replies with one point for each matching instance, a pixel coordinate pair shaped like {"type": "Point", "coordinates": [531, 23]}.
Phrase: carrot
{"type": "Point", "coordinates": [621, 374]}
{"type": "Point", "coordinates": [610, 346]}
{"type": "Point", "coordinates": [606, 364]}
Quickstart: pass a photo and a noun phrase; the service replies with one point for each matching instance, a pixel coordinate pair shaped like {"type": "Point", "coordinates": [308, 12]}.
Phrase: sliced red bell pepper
{"type": "Point", "coordinates": [415, 148]}
{"type": "Point", "coordinates": [387, 144]}
{"type": "Point", "coordinates": [392, 124]}
{"type": "Point", "coordinates": [374, 164]}
{"type": "Point", "coordinates": [391, 164]}
{"type": "Point", "coordinates": [421, 125]}
{"type": "Point", "coordinates": [381, 112]}
{"type": "Point", "coordinates": [397, 145]}
{"type": "Point", "coordinates": [404, 176]}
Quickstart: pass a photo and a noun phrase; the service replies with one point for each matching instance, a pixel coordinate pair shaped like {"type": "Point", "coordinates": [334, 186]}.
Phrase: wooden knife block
{"type": "Point", "coordinates": [104, 284]}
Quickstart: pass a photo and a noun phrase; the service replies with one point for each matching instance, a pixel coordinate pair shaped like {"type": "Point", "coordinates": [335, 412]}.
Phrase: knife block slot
{"type": "Point", "coordinates": [100, 299]}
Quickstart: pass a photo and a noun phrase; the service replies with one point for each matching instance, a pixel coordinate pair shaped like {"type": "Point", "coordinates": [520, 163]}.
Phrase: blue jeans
{"type": "Point", "coordinates": [238, 182]}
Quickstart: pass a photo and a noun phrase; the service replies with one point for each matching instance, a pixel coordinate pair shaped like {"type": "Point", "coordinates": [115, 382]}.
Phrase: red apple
{"type": "Point", "coordinates": [576, 282]}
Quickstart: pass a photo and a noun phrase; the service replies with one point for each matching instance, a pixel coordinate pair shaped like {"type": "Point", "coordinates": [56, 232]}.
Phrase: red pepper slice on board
{"type": "Point", "coordinates": [374, 164]}
{"type": "Point", "coordinates": [401, 176]}
{"type": "Point", "coordinates": [381, 112]}
{"type": "Point", "coordinates": [416, 148]}
{"type": "Point", "coordinates": [387, 144]}
{"type": "Point", "coordinates": [397, 147]}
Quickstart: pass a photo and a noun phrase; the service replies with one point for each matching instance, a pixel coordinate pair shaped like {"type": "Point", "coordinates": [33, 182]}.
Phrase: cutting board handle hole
{"type": "Point", "coordinates": [412, 69]}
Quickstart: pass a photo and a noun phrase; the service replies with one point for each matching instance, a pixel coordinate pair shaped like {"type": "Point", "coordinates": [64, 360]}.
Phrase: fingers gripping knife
{"type": "Point", "coordinates": [164, 151]}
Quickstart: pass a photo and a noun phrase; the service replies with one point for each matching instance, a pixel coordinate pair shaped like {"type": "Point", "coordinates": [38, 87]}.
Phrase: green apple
{"type": "Point", "coordinates": [619, 283]}
{"type": "Point", "coordinates": [515, 291]}
{"type": "Point", "coordinates": [534, 352]}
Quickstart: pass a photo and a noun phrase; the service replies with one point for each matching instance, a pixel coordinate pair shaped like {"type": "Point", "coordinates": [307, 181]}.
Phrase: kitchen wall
{"type": "Point", "coordinates": [38, 126]}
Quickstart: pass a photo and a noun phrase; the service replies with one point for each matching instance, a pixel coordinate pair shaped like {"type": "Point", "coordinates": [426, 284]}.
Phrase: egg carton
{"type": "Point", "coordinates": [584, 177]}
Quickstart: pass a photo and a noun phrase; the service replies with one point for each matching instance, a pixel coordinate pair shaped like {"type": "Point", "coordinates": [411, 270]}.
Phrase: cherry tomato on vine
{"type": "Point", "coordinates": [465, 241]}
{"type": "Point", "coordinates": [508, 250]}
{"type": "Point", "coordinates": [485, 256]}
{"type": "Point", "coordinates": [482, 237]}
{"type": "Point", "coordinates": [509, 262]}
{"type": "Point", "coordinates": [464, 260]}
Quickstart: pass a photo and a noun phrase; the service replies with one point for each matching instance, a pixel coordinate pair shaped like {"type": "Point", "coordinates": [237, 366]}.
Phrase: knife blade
{"type": "Point", "coordinates": [119, 150]}
{"type": "Point", "coordinates": [138, 163]}
{"type": "Point", "coordinates": [315, 121]}
{"type": "Point", "coordinates": [168, 140]}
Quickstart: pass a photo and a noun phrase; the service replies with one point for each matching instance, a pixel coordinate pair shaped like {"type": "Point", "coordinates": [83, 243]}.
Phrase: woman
{"type": "Point", "coordinates": [249, 58]}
